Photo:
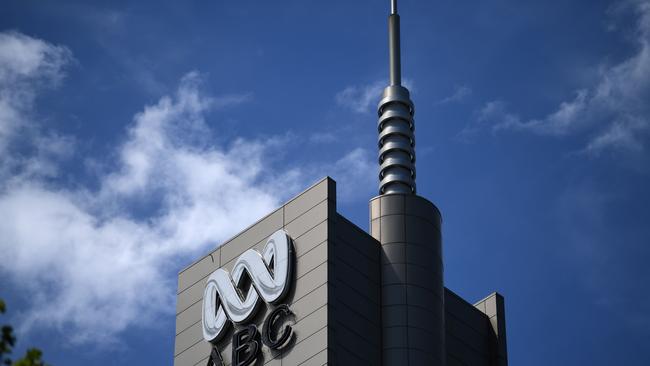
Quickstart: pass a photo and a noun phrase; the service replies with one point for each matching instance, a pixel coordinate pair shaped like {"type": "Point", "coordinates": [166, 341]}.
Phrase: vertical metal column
{"type": "Point", "coordinates": [408, 228]}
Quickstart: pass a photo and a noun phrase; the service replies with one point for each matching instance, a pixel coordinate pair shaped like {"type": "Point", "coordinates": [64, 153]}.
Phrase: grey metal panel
{"type": "Point", "coordinates": [355, 318]}
{"type": "Point", "coordinates": [309, 303]}
{"type": "Point", "coordinates": [420, 231]}
{"type": "Point", "coordinates": [375, 227]}
{"type": "Point", "coordinates": [309, 198]}
{"type": "Point", "coordinates": [480, 306]}
{"type": "Point", "coordinates": [375, 207]}
{"type": "Point", "coordinates": [307, 348]}
{"type": "Point", "coordinates": [348, 295]}
{"type": "Point", "coordinates": [190, 296]}
{"type": "Point", "coordinates": [193, 354]}
{"type": "Point", "coordinates": [311, 259]}
{"type": "Point", "coordinates": [490, 306]}
{"type": "Point", "coordinates": [352, 339]}
{"type": "Point", "coordinates": [393, 274]}
{"type": "Point", "coordinates": [188, 338]}
{"type": "Point", "coordinates": [419, 296]}
{"type": "Point", "coordinates": [422, 340]}
{"type": "Point", "coordinates": [416, 206]}
{"type": "Point", "coordinates": [420, 357]}
{"type": "Point", "coordinates": [355, 261]}
{"type": "Point", "coordinates": [310, 282]}
{"type": "Point", "coordinates": [364, 287]}
{"type": "Point", "coordinates": [252, 235]}
{"type": "Point", "coordinates": [311, 323]}
{"type": "Point", "coordinates": [461, 309]}
{"type": "Point", "coordinates": [471, 340]}
{"type": "Point", "coordinates": [188, 317]}
{"type": "Point", "coordinates": [392, 204]}
{"type": "Point", "coordinates": [453, 361]}
{"type": "Point", "coordinates": [423, 277]}
{"type": "Point", "coordinates": [396, 338]}
{"type": "Point", "coordinates": [368, 323]}
{"type": "Point", "coordinates": [394, 356]}
{"type": "Point", "coordinates": [341, 355]}
{"type": "Point", "coordinates": [393, 253]}
{"type": "Point", "coordinates": [353, 237]}
{"type": "Point", "coordinates": [463, 352]}
{"type": "Point", "coordinates": [394, 315]}
{"type": "Point", "coordinates": [471, 336]}
{"type": "Point", "coordinates": [270, 362]}
{"type": "Point", "coordinates": [319, 359]}
{"type": "Point", "coordinates": [422, 256]}
{"type": "Point", "coordinates": [392, 229]}
{"type": "Point", "coordinates": [308, 219]}
{"type": "Point", "coordinates": [393, 295]}
{"type": "Point", "coordinates": [311, 238]}
{"type": "Point", "coordinates": [417, 317]}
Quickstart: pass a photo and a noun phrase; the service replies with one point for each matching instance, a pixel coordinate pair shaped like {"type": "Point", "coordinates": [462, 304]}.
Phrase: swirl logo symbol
{"type": "Point", "coordinates": [269, 274]}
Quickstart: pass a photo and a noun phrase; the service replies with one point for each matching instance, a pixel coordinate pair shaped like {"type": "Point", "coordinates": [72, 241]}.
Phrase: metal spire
{"type": "Point", "coordinates": [395, 125]}
{"type": "Point", "coordinates": [393, 45]}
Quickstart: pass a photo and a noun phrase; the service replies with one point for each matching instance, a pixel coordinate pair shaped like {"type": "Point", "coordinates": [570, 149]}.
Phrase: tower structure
{"type": "Point", "coordinates": [408, 228]}
{"type": "Point", "coordinates": [305, 286]}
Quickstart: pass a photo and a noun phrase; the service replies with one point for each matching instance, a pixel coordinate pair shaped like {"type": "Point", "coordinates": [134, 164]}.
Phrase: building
{"type": "Point", "coordinates": [305, 286]}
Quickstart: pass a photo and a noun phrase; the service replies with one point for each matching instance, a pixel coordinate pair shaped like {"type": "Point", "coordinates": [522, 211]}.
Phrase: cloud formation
{"type": "Point", "coordinates": [460, 93]}
{"type": "Point", "coordinates": [94, 262]}
{"type": "Point", "coordinates": [26, 64]}
{"type": "Point", "coordinates": [361, 98]}
{"type": "Point", "coordinates": [364, 98]}
{"type": "Point", "coordinates": [613, 112]}
{"type": "Point", "coordinates": [356, 174]}
{"type": "Point", "coordinates": [84, 255]}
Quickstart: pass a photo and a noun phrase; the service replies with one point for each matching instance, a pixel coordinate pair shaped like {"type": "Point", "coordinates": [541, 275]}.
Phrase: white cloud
{"type": "Point", "coordinates": [364, 98]}
{"type": "Point", "coordinates": [460, 93]}
{"type": "Point", "coordinates": [93, 268]}
{"type": "Point", "coordinates": [356, 174]}
{"type": "Point", "coordinates": [25, 64]}
{"type": "Point", "coordinates": [361, 99]}
{"type": "Point", "coordinates": [94, 262]}
{"type": "Point", "coordinates": [613, 112]}
{"type": "Point", "coordinates": [23, 57]}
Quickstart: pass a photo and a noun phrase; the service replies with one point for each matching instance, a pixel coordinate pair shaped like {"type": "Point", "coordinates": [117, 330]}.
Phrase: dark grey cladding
{"type": "Point", "coordinates": [412, 293]}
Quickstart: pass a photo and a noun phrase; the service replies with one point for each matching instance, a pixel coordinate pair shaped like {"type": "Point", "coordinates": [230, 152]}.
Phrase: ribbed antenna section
{"type": "Point", "coordinates": [396, 128]}
{"type": "Point", "coordinates": [396, 142]}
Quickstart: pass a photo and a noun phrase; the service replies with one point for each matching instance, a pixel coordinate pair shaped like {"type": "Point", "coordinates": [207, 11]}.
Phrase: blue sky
{"type": "Point", "coordinates": [136, 136]}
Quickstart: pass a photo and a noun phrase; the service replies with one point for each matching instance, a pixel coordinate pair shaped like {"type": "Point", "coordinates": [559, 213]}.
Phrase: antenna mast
{"type": "Point", "coordinates": [396, 128]}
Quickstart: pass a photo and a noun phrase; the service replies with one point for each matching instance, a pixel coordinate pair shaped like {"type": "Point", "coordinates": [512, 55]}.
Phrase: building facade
{"type": "Point", "coordinates": [335, 297]}
{"type": "Point", "coordinates": [305, 286]}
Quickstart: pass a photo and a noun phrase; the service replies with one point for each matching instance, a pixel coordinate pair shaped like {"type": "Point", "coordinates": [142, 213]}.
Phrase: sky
{"type": "Point", "coordinates": [137, 136]}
